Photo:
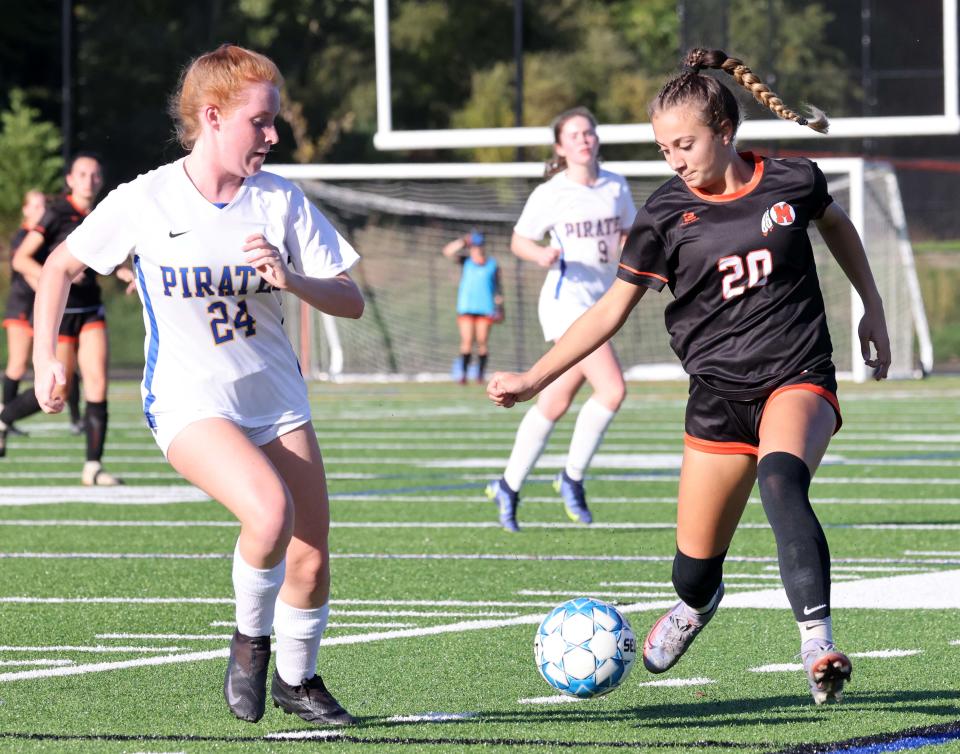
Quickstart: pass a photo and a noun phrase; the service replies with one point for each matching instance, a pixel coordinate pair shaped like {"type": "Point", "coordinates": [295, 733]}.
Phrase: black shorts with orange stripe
{"type": "Point", "coordinates": [716, 424]}
{"type": "Point", "coordinates": [74, 322]}
{"type": "Point", "coordinates": [19, 310]}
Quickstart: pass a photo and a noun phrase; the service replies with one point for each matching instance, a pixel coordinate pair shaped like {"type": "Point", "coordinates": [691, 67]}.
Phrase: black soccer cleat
{"type": "Point", "coordinates": [245, 684]}
{"type": "Point", "coordinates": [310, 700]}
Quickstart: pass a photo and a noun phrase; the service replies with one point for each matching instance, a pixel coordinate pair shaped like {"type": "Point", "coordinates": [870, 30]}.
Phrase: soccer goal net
{"type": "Point", "coordinates": [399, 217]}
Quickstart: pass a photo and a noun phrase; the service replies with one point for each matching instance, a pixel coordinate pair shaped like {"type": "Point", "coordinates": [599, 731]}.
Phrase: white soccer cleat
{"type": "Point", "coordinates": [673, 634]}
{"type": "Point", "coordinates": [93, 475]}
{"type": "Point", "coordinates": [827, 670]}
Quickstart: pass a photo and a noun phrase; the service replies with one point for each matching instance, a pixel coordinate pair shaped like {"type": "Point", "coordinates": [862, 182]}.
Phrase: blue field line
{"type": "Point", "coordinates": [907, 740]}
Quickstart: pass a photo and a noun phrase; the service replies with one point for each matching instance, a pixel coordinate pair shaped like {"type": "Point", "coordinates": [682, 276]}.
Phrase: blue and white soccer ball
{"type": "Point", "coordinates": [584, 647]}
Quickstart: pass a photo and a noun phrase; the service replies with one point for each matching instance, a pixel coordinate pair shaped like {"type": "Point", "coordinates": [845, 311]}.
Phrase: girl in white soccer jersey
{"type": "Point", "coordinates": [587, 212]}
{"type": "Point", "coordinates": [213, 241]}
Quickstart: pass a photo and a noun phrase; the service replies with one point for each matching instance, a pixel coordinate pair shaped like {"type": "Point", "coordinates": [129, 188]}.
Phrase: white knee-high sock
{"type": "Point", "coordinates": [532, 436]}
{"type": "Point", "coordinates": [256, 592]}
{"type": "Point", "coordinates": [298, 641]}
{"type": "Point", "coordinates": [592, 423]}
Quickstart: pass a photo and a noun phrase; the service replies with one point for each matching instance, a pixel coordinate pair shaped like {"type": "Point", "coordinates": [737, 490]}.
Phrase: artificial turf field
{"type": "Point", "coordinates": [115, 605]}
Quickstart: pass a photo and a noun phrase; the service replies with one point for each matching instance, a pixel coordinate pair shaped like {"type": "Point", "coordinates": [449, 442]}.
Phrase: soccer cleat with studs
{"type": "Point", "coordinates": [574, 498]}
{"type": "Point", "coordinates": [827, 670]}
{"type": "Point", "coordinates": [673, 634]}
{"type": "Point", "coordinates": [310, 700]}
{"type": "Point", "coordinates": [245, 683]}
{"type": "Point", "coordinates": [506, 501]}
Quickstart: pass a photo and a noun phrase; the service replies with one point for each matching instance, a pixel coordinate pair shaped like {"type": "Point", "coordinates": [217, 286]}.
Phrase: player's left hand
{"type": "Point", "coordinates": [267, 260]}
{"type": "Point", "coordinates": [873, 329]}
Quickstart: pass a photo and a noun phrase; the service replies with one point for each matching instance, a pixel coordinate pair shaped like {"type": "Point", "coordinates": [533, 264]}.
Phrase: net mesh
{"type": "Point", "coordinates": [409, 326]}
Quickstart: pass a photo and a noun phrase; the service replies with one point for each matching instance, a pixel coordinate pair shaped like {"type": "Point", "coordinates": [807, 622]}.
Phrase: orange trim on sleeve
{"type": "Point", "coordinates": [645, 274]}
{"type": "Point", "coordinates": [750, 186]}
{"type": "Point", "coordinates": [722, 448]}
{"type": "Point", "coordinates": [827, 395]}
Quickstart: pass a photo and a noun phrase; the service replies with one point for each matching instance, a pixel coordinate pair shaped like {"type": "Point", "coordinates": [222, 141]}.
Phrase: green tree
{"type": "Point", "coordinates": [29, 156]}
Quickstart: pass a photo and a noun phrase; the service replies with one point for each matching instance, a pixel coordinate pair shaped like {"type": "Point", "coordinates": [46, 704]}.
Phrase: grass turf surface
{"type": "Point", "coordinates": [434, 607]}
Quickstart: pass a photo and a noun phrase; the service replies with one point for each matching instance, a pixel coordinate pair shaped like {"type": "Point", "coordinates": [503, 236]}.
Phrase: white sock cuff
{"type": "Point", "coordinates": [257, 578]}
{"type": "Point", "coordinates": [820, 629]}
{"type": "Point", "coordinates": [299, 623]}
{"type": "Point", "coordinates": [597, 412]}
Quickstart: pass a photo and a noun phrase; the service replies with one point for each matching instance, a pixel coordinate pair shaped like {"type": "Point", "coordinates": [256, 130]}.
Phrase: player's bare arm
{"type": "Point", "coordinates": [530, 251]}
{"type": "Point", "coordinates": [56, 276]}
{"type": "Point", "coordinates": [338, 295]}
{"type": "Point", "coordinates": [844, 243]}
{"type": "Point", "coordinates": [594, 328]}
{"type": "Point", "coordinates": [24, 258]}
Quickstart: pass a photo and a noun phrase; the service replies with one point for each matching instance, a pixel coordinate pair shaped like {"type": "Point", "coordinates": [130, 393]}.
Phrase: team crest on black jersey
{"type": "Point", "coordinates": [780, 213]}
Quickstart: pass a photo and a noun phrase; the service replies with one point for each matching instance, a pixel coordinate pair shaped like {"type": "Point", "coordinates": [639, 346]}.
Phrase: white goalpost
{"type": "Point", "coordinates": [399, 216]}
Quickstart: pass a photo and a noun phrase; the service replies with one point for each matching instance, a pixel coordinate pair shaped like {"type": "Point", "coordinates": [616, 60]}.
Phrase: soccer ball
{"type": "Point", "coordinates": [584, 648]}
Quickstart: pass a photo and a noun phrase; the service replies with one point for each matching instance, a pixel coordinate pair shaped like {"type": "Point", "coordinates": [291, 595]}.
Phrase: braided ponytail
{"type": "Point", "coordinates": [717, 101]}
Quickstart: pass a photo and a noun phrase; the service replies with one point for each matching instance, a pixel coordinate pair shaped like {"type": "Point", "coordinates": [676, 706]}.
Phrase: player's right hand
{"type": "Point", "coordinates": [548, 256]}
{"type": "Point", "coordinates": [507, 388]}
{"type": "Point", "coordinates": [48, 376]}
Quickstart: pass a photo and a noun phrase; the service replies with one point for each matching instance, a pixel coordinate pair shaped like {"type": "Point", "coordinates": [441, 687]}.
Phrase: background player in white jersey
{"type": "Point", "coordinates": [729, 235]}
{"type": "Point", "coordinates": [587, 212]}
{"type": "Point", "coordinates": [214, 240]}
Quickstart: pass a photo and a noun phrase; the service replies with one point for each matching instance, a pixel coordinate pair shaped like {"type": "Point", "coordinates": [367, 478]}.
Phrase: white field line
{"type": "Point", "coordinates": [469, 556]}
{"type": "Point", "coordinates": [433, 717]}
{"type": "Point", "coordinates": [337, 624]}
{"type": "Point", "coordinates": [955, 643]}
{"type": "Point", "coordinates": [91, 650]}
{"type": "Point", "coordinates": [874, 569]}
{"type": "Point", "coordinates": [112, 556]}
{"type": "Point", "coordinates": [173, 637]}
{"type": "Point", "coordinates": [574, 592]}
{"type": "Point", "coordinates": [21, 663]}
{"type": "Point", "coordinates": [305, 735]}
{"type": "Point", "coordinates": [148, 475]}
{"type": "Point", "coordinates": [934, 553]}
{"type": "Point", "coordinates": [881, 654]}
{"type": "Point", "coordinates": [612, 526]}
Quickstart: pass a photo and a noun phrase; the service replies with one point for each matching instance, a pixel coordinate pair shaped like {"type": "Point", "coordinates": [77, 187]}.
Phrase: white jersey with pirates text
{"type": "Point", "coordinates": [214, 328]}
{"type": "Point", "coordinates": [585, 223]}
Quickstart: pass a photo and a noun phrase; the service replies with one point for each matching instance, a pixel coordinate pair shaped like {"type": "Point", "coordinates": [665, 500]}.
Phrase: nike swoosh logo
{"type": "Point", "coordinates": [810, 610]}
{"type": "Point", "coordinates": [174, 235]}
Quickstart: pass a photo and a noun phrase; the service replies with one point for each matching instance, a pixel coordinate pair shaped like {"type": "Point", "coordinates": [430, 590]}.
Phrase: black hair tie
{"type": "Point", "coordinates": [687, 68]}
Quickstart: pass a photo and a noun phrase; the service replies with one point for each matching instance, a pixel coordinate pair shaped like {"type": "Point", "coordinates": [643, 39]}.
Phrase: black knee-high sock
{"type": "Point", "coordinates": [24, 405]}
{"type": "Point", "coordinates": [784, 482]}
{"type": "Point", "coordinates": [697, 579]}
{"type": "Point", "coordinates": [73, 400]}
{"type": "Point", "coordinates": [96, 429]}
{"type": "Point", "coordinates": [482, 366]}
{"type": "Point", "coordinates": [464, 362]}
{"type": "Point", "coordinates": [10, 388]}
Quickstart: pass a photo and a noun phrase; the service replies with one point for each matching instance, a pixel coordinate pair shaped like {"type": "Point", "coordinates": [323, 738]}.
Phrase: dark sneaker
{"type": "Point", "coordinates": [673, 634]}
{"type": "Point", "coordinates": [827, 670]}
{"type": "Point", "coordinates": [506, 501]}
{"type": "Point", "coordinates": [245, 685]}
{"type": "Point", "coordinates": [310, 700]}
{"type": "Point", "coordinates": [574, 498]}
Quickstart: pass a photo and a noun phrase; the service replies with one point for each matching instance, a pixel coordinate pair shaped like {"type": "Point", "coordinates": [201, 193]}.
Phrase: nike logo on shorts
{"type": "Point", "coordinates": [174, 235]}
{"type": "Point", "coordinates": [810, 610]}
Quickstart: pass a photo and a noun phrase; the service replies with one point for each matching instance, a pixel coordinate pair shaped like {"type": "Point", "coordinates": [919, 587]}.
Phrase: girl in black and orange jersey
{"type": "Point", "coordinates": [82, 342]}
{"type": "Point", "coordinates": [728, 236]}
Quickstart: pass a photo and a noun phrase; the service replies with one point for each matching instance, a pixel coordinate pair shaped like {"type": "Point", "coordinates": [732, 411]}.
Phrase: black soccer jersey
{"type": "Point", "coordinates": [747, 309]}
{"type": "Point", "coordinates": [56, 224]}
{"type": "Point", "coordinates": [17, 281]}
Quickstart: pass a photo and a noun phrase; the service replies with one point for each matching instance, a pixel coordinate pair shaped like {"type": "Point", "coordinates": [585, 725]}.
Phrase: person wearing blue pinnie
{"type": "Point", "coordinates": [479, 298]}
